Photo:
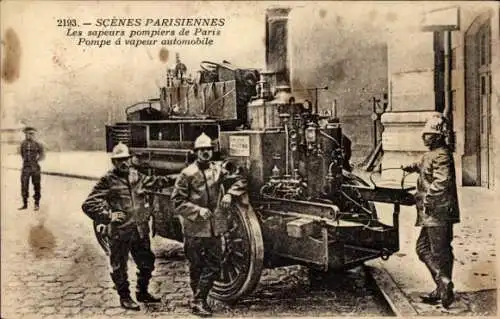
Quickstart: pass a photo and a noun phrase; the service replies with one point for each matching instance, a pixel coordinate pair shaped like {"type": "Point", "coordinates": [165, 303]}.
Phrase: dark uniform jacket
{"type": "Point", "coordinates": [31, 152]}
{"type": "Point", "coordinates": [116, 193]}
{"type": "Point", "coordinates": [195, 189]}
{"type": "Point", "coordinates": [436, 197]}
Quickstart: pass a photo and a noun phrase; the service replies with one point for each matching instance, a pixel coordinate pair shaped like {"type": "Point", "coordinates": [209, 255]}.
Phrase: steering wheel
{"type": "Point", "coordinates": [405, 174]}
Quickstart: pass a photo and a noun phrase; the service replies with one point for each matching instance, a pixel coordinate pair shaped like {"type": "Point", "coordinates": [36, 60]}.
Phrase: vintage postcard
{"type": "Point", "coordinates": [249, 159]}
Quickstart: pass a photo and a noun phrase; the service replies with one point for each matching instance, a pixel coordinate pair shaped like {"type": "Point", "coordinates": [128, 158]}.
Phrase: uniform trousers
{"type": "Point", "coordinates": [435, 250]}
{"type": "Point", "coordinates": [35, 176]}
{"type": "Point", "coordinates": [123, 242]}
{"type": "Point", "coordinates": [204, 256]}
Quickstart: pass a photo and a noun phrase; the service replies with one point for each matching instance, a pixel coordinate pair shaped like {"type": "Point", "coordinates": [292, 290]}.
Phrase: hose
{"type": "Point", "coordinates": [329, 137]}
{"type": "Point", "coordinates": [356, 203]}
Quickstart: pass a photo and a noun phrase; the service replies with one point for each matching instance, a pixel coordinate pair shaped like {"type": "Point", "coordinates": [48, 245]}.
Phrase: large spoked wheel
{"type": "Point", "coordinates": [102, 239]}
{"type": "Point", "coordinates": [243, 256]}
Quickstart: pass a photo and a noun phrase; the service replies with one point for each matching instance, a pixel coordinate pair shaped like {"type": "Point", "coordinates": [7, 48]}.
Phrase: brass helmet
{"type": "Point", "coordinates": [203, 141]}
{"type": "Point", "coordinates": [120, 151]}
{"type": "Point", "coordinates": [435, 125]}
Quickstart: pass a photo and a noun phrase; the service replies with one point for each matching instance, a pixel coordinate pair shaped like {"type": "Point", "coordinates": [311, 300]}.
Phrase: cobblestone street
{"type": "Point", "coordinates": [53, 267]}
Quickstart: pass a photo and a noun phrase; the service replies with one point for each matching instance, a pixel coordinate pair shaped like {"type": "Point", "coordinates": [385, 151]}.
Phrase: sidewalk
{"type": "Point", "coordinates": [474, 272]}
{"type": "Point", "coordinates": [474, 240]}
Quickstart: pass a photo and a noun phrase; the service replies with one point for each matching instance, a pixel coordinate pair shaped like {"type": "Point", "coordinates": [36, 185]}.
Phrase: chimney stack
{"type": "Point", "coordinates": [277, 44]}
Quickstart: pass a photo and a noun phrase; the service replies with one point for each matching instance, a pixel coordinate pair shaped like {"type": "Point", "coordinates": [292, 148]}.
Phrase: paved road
{"type": "Point", "coordinates": [53, 267]}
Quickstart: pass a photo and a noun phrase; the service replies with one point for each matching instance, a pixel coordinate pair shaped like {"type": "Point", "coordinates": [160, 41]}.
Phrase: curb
{"type": "Point", "coordinates": [391, 292]}
{"type": "Point", "coordinates": [68, 175]}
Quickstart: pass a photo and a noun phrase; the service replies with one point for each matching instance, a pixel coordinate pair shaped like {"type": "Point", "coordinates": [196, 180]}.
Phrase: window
{"type": "Point", "coordinates": [489, 85]}
{"type": "Point", "coordinates": [485, 44]}
{"type": "Point", "coordinates": [482, 48]}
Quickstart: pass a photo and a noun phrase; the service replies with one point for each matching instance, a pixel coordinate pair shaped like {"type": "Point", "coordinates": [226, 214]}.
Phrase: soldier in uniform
{"type": "Point", "coordinates": [118, 203]}
{"type": "Point", "coordinates": [195, 198]}
{"type": "Point", "coordinates": [31, 152]}
{"type": "Point", "coordinates": [437, 207]}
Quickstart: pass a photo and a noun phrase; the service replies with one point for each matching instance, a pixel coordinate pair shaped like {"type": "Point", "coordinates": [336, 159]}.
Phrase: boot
{"type": "Point", "coordinates": [37, 206]}
{"type": "Point", "coordinates": [25, 205]}
{"type": "Point", "coordinates": [142, 293]}
{"type": "Point", "coordinates": [128, 303]}
{"type": "Point", "coordinates": [146, 297]}
{"type": "Point", "coordinates": [199, 308]}
{"type": "Point", "coordinates": [431, 298]}
{"type": "Point", "coordinates": [446, 292]}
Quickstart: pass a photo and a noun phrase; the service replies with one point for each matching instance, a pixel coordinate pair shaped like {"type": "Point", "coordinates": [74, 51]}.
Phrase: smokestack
{"type": "Point", "coordinates": [277, 44]}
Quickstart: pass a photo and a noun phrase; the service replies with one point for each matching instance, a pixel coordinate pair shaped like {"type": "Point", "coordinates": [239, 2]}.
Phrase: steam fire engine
{"type": "Point", "coordinates": [304, 208]}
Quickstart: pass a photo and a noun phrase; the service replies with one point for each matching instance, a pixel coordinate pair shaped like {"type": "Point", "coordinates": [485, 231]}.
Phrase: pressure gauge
{"type": "Point", "coordinates": [307, 106]}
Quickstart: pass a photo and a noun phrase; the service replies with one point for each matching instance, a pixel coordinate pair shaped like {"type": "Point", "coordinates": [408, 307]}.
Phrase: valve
{"type": "Point", "coordinates": [275, 172]}
{"type": "Point", "coordinates": [311, 135]}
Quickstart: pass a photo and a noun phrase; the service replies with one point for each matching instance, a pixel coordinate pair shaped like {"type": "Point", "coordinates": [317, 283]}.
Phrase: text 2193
{"type": "Point", "coordinates": [66, 23]}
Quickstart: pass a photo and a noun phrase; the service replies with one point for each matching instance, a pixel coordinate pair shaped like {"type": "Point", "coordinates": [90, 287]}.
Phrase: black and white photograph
{"type": "Point", "coordinates": [230, 159]}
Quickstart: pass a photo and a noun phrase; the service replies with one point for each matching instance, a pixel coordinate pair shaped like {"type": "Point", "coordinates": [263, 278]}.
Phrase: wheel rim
{"type": "Point", "coordinates": [243, 257]}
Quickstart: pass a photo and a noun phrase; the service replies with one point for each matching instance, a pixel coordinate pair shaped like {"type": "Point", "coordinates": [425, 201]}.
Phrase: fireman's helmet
{"type": "Point", "coordinates": [435, 125]}
{"type": "Point", "coordinates": [203, 141]}
{"type": "Point", "coordinates": [120, 151]}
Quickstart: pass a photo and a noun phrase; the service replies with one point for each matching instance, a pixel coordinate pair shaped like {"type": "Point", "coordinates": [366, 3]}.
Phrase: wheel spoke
{"type": "Point", "coordinates": [230, 274]}
{"type": "Point", "coordinates": [235, 267]}
{"type": "Point", "coordinates": [237, 253]}
{"type": "Point", "coordinates": [225, 274]}
{"type": "Point", "coordinates": [221, 274]}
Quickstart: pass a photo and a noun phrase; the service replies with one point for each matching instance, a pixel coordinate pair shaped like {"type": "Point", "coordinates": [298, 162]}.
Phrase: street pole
{"type": "Point", "coordinates": [374, 106]}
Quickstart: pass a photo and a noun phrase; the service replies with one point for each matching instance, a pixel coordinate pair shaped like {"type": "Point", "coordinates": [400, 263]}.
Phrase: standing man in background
{"type": "Point", "coordinates": [31, 151]}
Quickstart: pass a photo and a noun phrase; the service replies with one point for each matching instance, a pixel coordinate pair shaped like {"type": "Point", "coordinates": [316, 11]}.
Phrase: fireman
{"type": "Point", "coordinates": [118, 201]}
{"type": "Point", "coordinates": [31, 151]}
{"type": "Point", "coordinates": [204, 220]}
{"type": "Point", "coordinates": [437, 208]}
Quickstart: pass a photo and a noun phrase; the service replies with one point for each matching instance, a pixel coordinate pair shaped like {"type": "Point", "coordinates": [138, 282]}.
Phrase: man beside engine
{"type": "Point", "coordinates": [195, 197]}
{"type": "Point", "coordinates": [118, 203]}
{"type": "Point", "coordinates": [437, 208]}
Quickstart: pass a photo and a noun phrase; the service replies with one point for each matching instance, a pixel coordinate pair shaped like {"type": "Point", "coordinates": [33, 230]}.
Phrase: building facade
{"type": "Point", "coordinates": [450, 63]}
{"type": "Point", "coordinates": [333, 50]}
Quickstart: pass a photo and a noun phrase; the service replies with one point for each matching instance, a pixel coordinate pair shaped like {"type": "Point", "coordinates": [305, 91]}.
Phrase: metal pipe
{"type": "Point", "coordinates": [448, 58]}
{"type": "Point", "coordinates": [286, 147]}
{"type": "Point", "coordinates": [374, 123]}
{"type": "Point", "coordinates": [448, 114]}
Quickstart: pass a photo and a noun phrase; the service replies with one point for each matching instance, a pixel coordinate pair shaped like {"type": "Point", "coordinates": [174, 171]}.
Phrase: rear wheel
{"type": "Point", "coordinates": [243, 257]}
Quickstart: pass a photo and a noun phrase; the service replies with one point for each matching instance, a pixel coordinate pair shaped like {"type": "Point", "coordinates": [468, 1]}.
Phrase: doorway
{"type": "Point", "coordinates": [478, 132]}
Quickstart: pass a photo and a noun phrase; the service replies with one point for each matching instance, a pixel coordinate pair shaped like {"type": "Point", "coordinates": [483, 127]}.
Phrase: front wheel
{"type": "Point", "coordinates": [243, 257]}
